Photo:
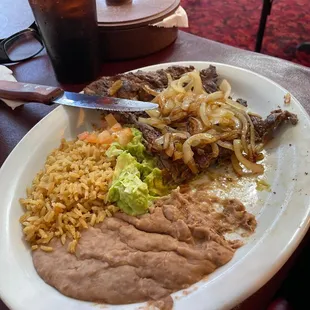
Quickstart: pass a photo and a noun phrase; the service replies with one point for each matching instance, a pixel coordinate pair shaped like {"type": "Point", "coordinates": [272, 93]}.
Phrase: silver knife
{"type": "Point", "coordinates": [48, 94]}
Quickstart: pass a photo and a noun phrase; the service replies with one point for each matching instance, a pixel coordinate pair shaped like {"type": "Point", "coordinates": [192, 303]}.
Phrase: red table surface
{"type": "Point", "coordinates": [15, 124]}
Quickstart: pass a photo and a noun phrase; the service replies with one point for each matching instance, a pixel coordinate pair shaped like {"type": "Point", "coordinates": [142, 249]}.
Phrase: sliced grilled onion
{"type": "Point", "coordinates": [155, 122]}
{"type": "Point", "coordinates": [169, 78]}
{"type": "Point", "coordinates": [115, 87]}
{"type": "Point", "coordinates": [225, 88]}
{"type": "Point", "coordinates": [235, 164]}
{"type": "Point", "coordinates": [179, 98]}
{"type": "Point", "coordinates": [153, 113]}
{"type": "Point", "coordinates": [215, 96]}
{"type": "Point", "coordinates": [225, 145]}
{"type": "Point", "coordinates": [237, 122]}
{"type": "Point", "coordinates": [150, 90]}
{"type": "Point", "coordinates": [177, 87]}
{"type": "Point", "coordinates": [255, 168]}
{"type": "Point", "coordinates": [186, 103]}
{"type": "Point", "coordinates": [252, 135]}
{"type": "Point", "coordinates": [259, 147]}
{"type": "Point", "coordinates": [192, 165]}
{"type": "Point", "coordinates": [215, 150]}
{"type": "Point", "coordinates": [189, 86]}
{"type": "Point", "coordinates": [194, 126]}
{"type": "Point", "coordinates": [260, 156]}
{"type": "Point", "coordinates": [222, 112]}
{"type": "Point", "coordinates": [166, 140]}
{"type": "Point", "coordinates": [158, 143]}
{"type": "Point", "coordinates": [201, 138]}
{"type": "Point", "coordinates": [168, 107]}
{"type": "Point", "coordinates": [229, 135]}
{"type": "Point", "coordinates": [185, 108]}
{"type": "Point", "coordinates": [177, 155]}
{"type": "Point", "coordinates": [197, 87]}
{"type": "Point", "coordinates": [170, 150]}
{"type": "Point", "coordinates": [160, 140]}
{"type": "Point", "coordinates": [178, 116]}
{"type": "Point", "coordinates": [236, 105]}
{"type": "Point", "coordinates": [203, 115]}
{"type": "Point", "coordinates": [243, 119]}
{"type": "Point", "coordinates": [181, 135]}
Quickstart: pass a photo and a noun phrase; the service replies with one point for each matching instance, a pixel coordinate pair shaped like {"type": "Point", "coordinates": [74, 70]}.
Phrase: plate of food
{"type": "Point", "coordinates": [194, 205]}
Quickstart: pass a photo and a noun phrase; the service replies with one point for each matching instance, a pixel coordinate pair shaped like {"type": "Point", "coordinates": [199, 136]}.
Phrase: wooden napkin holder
{"type": "Point", "coordinates": [126, 30]}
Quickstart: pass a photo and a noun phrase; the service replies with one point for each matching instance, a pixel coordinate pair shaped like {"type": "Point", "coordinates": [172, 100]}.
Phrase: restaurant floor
{"type": "Point", "coordinates": [235, 22]}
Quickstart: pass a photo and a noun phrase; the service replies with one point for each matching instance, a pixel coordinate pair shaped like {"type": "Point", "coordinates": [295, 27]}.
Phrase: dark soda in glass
{"type": "Point", "coordinates": [70, 34]}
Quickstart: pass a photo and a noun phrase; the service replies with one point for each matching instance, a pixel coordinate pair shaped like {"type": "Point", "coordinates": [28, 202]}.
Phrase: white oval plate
{"type": "Point", "coordinates": [283, 218]}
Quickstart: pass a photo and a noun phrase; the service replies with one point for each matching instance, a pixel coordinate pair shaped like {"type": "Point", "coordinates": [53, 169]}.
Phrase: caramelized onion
{"type": "Point", "coordinates": [177, 87]}
{"type": "Point", "coordinates": [149, 90]}
{"type": "Point", "coordinates": [157, 123]}
{"type": "Point", "coordinates": [237, 122]}
{"type": "Point", "coordinates": [215, 150]}
{"type": "Point", "coordinates": [255, 168]}
{"type": "Point", "coordinates": [225, 88]}
{"type": "Point", "coordinates": [153, 113]}
{"type": "Point", "coordinates": [225, 145]}
{"type": "Point", "coordinates": [160, 140]}
{"type": "Point", "coordinates": [215, 96]}
{"type": "Point", "coordinates": [170, 150]}
{"type": "Point", "coordinates": [177, 155]}
{"type": "Point", "coordinates": [186, 103]}
{"type": "Point", "coordinates": [259, 147]}
{"type": "Point", "coordinates": [236, 105]}
{"type": "Point", "coordinates": [244, 131]}
{"type": "Point", "coordinates": [203, 115]}
{"type": "Point", "coordinates": [260, 156]}
{"type": "Point", "coordinates": [235, 164]}
{"type": "Point", "coordinates": [166, 140]}
{"type": "Point", "coordinates": [185, 109]}
{"type": "Point", "coordinates": [169, 78]}
{"type": "Point", "coordinates": [252, 135]}
{"type": "Point", "coordinates": [197, 87]}
{"type": "Point", "coordinates": [195, 140]}
{"type": "Point", "coordinates": [115, 87]}
{"type": "Point", "coordinates": [168, 107]}
{"type": "Point", "coordinates": [192, 165]}
{"type": "Point", "coordinates": [181, 135]}
{"type": "Point", "coordinates": [194, 126]}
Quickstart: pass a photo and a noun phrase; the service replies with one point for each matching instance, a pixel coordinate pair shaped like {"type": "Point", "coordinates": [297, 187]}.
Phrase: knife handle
{"type": "Point", "coordinates": [28, 92]}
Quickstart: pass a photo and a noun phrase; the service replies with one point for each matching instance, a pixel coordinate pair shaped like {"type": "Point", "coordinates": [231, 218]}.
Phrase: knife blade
{"type": "Point", "coordinates": [48, 94]}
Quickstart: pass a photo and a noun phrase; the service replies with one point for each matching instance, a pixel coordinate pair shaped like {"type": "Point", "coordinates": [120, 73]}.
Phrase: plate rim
{"type": "Point", "coordinates": [273, 268]}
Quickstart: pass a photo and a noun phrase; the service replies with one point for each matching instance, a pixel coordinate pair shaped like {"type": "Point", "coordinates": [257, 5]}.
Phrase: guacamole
{"type": "Point", "coordinates": [136, 180]}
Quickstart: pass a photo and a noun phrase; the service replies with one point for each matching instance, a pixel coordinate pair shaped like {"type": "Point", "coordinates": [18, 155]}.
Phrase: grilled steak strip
{"type": "Point", "coordinates": [177, 171]}
{"type": "Point", "coordinates": [264, 128]}
{"type": "Point", "coordinates": [133, 88]}
{"type": "Point", "coordinates": [133, 83]}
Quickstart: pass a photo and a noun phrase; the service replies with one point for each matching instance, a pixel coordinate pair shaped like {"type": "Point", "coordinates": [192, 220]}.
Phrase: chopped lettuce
{"type": "Point", "coordinates": [135, 147]}
{"type": "Point", "coordinates": [136, 180]}
{"type": "Point", "coordinates": [114, 150]}
{"type": "Point", "coordinates": [128, 191]}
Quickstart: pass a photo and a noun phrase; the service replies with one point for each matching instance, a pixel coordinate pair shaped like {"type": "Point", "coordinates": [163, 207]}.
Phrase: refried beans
{"type": "Point", "coordinates": [128, 259]}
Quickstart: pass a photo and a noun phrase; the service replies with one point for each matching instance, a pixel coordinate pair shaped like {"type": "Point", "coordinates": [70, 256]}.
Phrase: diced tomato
{"type": "Point", "coordinates": [111, 120]}
{"type": "Point", "coordinates": [116, 127]}
{"type": "Point", "coordinates": [83, 135]}
{"type": "Point", "coordinates": [105, 137]}
{"type": "Point", "coordinates": [92, 138]}
{"type": "Point", "coordinates": [125, 136]}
